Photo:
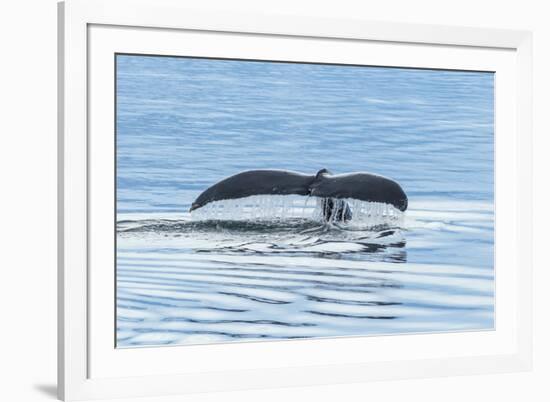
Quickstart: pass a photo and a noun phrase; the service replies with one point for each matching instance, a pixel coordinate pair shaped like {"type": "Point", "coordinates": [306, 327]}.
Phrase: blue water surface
{"type": "Point", "coordinates": [185, 123]}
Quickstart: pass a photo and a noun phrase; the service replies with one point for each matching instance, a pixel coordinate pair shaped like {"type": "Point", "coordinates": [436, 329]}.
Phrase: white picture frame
{"type": "Point", "coordinates": [89, 366]}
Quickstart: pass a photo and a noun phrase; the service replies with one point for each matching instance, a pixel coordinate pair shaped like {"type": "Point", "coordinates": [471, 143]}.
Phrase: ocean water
{"type": "Point", "coordinates": [267, 268]}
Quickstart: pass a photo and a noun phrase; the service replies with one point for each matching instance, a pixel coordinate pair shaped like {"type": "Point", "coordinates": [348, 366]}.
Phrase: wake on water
{"type": "Point", "coordinates": [260, 274]}
{"type": "Point", "coordinates": [280, 225]}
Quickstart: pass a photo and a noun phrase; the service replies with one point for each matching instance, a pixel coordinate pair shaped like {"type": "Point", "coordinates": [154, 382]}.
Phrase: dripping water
{"type": "Point", "coordinates": [283, 207]}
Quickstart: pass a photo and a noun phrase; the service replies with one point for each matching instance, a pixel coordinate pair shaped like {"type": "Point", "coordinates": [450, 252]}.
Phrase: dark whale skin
{"type": "Point", "coordinates": [362, 186]}
{"type": "Point", "coordinates": [256, 182]}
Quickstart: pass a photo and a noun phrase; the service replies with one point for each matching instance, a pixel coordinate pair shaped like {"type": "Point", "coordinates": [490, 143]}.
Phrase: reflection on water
{"type": "Point", "coordinates": [277, 272]}
{"type": "Point", "coordinates": [182, 281]}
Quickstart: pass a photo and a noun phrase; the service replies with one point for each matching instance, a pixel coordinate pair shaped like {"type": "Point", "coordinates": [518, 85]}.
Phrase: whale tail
{"type": "Point", "coordinates": [331, 189]}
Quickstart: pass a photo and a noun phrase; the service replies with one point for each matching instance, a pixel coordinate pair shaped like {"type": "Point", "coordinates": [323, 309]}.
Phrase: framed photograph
{"type": "Point", "coordinates": [251, 201]}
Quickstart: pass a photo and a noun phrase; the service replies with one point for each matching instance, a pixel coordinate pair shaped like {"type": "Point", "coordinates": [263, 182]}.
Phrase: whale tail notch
{"type": "Point", "coordinates": [322, 172]}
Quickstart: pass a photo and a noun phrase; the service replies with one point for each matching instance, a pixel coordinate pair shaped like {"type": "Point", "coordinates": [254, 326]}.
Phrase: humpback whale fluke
{"type": "Point", "coordinates": [332, 189]}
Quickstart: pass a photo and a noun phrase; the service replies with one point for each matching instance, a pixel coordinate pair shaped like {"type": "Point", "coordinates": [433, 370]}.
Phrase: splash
{"type": "Point", "coordinates": [284, 207]}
